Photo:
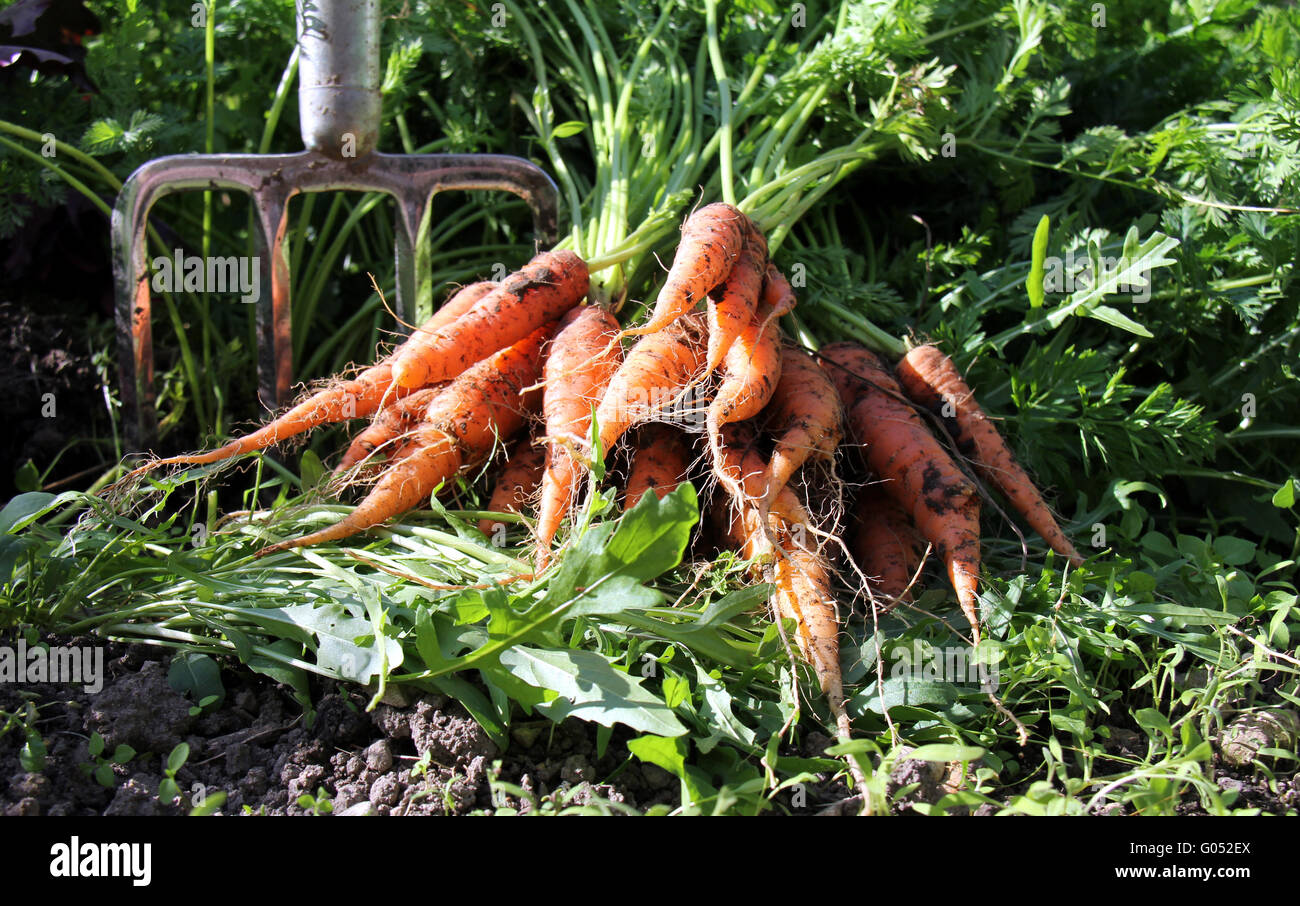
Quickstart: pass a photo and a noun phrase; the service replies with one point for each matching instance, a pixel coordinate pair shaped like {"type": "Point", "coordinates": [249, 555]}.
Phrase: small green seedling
{"type": "Point", "coordinates": [102, 767]}
{"type": "Point", "coordinates": [32, 754]}
{"type": "Point", "coordinates": [204, 704]}
{"type": "Point", "coordinates": [169, 790]}
{"type": "Point", "coordinates": [209, 804]}
{"type": "Point", "coordinates": [319, 804]}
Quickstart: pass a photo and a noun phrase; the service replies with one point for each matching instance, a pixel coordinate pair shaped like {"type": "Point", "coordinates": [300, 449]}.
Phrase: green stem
{"type": "Point", "coordinates": [277, 101]}
{"type": "Point", "coordinates": [724, 100]}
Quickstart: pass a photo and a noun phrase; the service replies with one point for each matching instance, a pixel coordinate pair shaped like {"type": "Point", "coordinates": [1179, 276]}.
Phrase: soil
{"type": "Point", "coordinates": [419, 756]}
{"type": "Point", "coordinates": [52, 396]}
{"type": "Point", "coordinates": [409, 756]}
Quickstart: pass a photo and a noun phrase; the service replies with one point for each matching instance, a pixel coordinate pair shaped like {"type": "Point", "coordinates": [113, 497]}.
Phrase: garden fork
{"type": "Point", "coordinates": [339, 100]}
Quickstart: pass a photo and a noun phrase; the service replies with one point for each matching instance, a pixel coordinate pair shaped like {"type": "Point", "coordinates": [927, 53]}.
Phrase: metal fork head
{"type": "Point", "coordinates": [339, 100]}
{"type": "Point", "coordinates": [272, 180]}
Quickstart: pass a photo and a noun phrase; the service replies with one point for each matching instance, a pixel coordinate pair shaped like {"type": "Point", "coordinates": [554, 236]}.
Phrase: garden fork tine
{"type": "Point", "coordinates": [339, 100]}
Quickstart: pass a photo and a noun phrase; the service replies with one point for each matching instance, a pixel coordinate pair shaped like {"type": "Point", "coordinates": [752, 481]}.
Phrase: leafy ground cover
{"type": "Point", "coordinates": [1091, 207]}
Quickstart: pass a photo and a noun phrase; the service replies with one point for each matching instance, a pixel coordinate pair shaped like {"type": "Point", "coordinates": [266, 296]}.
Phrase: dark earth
{"type": "Point", "coordinates": [412, 756]}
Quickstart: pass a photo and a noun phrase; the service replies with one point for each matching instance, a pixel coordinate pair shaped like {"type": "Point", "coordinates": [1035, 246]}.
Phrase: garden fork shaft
{"type": "Point", "coordinates": [339, 101]}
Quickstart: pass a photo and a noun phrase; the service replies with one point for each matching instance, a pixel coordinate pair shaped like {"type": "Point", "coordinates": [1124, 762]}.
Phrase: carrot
{"type": "Point", "coordinates": [488, 402]}
{"type": "Point", "coordinates": [801, 578]}
{"type": "Point", "coordinates": [542, 291]}
{"type": "Point", "coordinates": [461, 426]}
{"type": "Point", "coordinates": [742, 467]}
{"type": "Point", "coordinates": [656, 368]}
{"type": "Point", "coordinates": [885, 545]}
{"type": "Point", "coordinates": [711, 241]}
{"type": "Point", "coordinates": [750, 375]}
{"type": "Point", "coordinates": [731, 307]}
{"type": "Point", "coordinates": [515, 485]}
{"type": "Point", "coordinates": [659, 463]}
{"type": "Point", "coordinates": [806, 417]}
{"type": "Point", "coordinates": [778, 295]}
{"type": "Point", "coordinates": [931, 380]}
{"type": "Point", "coordinates": [387, 427]}
{"type": "Point", "coordinates": [803, 594]}
{"type": "Point", "coordinates": [581, 362]}
{"type": "Point", "coordinates": [916, 470]}
{"type": "Point", "coordinates": [358, 397]}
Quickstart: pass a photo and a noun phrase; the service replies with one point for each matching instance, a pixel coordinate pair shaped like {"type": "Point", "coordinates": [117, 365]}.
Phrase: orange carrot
{"type": "Point", "coordinates": [805, 415]}
{"type": "Point", "coordinates": [915, 469]}
{"type": "Point", "coordinates": [801, 578]}
{"type": "Point", "coordinates": [358, 397]}
{"type": "Point", "coordinates": [885, 545]}
{"type": "Point", "coordinates": [387, 427]}
{"type": "Point", "coordinates": [542, 291]}
{"type": "Point", "coordinates": [750, 375]}
{"type": "Point", "coordinates": [803, 594]}
{"type": "Point", "coordinates": [580, 363]}
{"type": "Point", "coordinates": [655, 369]}
{"type": "Point", "coordinates": [731, 306]}
{"type": "Point", "coordinates": [932, 380]}
{"type": "Point", "coordinates": [659, 463]}
{"type": "Point", "coordinates": [515, 485]}
{"type": "Point", "coordinates": [711, 241]}
{"type": "Point", "coordinates": [461, 426]}
{"type": "Point", "coordinates": [778, 295]}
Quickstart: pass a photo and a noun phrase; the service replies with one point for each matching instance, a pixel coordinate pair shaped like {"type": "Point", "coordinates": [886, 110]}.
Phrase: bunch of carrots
{"type": "Point", "coordinates": [526, 353]}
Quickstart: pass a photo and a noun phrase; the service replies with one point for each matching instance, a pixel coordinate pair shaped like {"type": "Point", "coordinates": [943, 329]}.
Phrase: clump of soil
{"type": "Point", "coordinates": [422, 755]}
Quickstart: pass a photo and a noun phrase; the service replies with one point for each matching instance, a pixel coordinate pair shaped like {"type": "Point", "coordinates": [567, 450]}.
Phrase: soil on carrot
{"type": "Point", "coordinates": [416, 756]}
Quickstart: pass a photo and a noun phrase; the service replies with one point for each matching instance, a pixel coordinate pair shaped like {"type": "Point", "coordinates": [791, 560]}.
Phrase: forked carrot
{"type": "Point", "coordinates": [711, 241]}
{"type": "Point", "coordinates": [803, 594]}
{"type": "Point", "coordinates": [932, 380]}
{"type": "Point", "coordinates": [914, 467]}
{"type": "Point", "coordinates": [750, 374]}
{"type": "Point", "coordinates": [387, 427]}
{"type": "Point", "coordinates": [805, 416]}
{"type": "Point", "coordinates": [731, 306]}
{"type": "Point", "coordinates": [542, 291]}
